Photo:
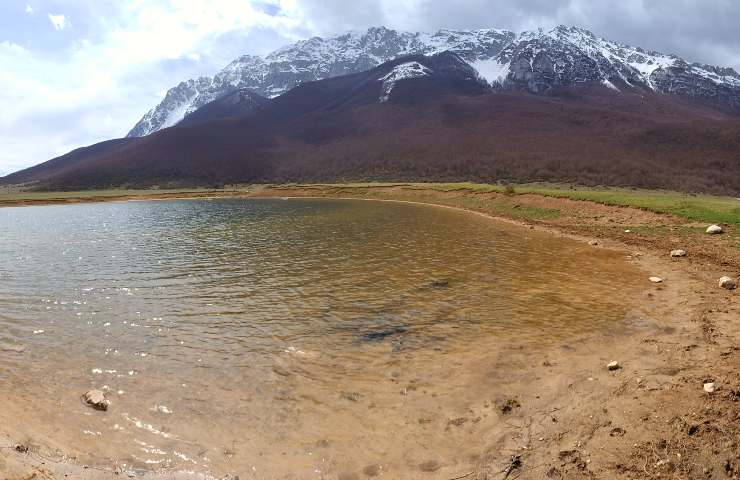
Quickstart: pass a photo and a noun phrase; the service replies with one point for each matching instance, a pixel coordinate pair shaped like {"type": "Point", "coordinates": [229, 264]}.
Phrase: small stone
{"type": "Point", "coordinates": [282, 371]}
{"type": "Point", "coordinates": [96, 399]}
{"type": "Point", "coordinates": [593, 243]}
{"type": "Point", "coordinates": [727, 283]}
{"type": "Point", "coordinates": [429, 466]}
{"type": "Point", "coordinates": [372, 470]}
{"type": "Point", "coordinates": [613, 365]}
{"type": "Point", "coordinates": [678, 253]}
{"type": "Point", "coordinates": [714, 229]}
{"type": "Point", "coordinates": [709, 387]}
{"type": "Point", "coordinates": [628, 231]}
{"type": "Point", "coordinates": [656, 279]}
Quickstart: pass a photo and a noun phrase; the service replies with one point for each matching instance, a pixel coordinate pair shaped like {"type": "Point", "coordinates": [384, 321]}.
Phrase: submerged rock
{"type": "Point", "coordinates": [727, 283]}
{"type": "Point", "coordinates": [678, 253]}
{"type": "Point", "coordinates": [510, 405]}
{"type": "Point", "coordinates": [439, 283]}
{"type": "Point", "coordinates": [714, 229]}
{"type": "Point", "coordinates": [96, 399]}
{"type": "Point", "coordinates": [382, 334]}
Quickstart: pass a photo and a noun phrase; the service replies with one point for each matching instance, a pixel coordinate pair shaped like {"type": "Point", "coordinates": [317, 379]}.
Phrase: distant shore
{"type": "Point", "coordinates": [650, 417]}
{"type": "Point", "coordinates": [654, 219]}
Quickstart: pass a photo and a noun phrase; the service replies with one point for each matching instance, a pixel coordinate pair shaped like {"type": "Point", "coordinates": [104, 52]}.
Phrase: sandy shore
{"type": "Point", "coordinates": [562, 413]}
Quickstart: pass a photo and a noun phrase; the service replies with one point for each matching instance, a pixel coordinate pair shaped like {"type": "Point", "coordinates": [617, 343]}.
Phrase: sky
{"type": "Point", "coordinates": [76, 72]}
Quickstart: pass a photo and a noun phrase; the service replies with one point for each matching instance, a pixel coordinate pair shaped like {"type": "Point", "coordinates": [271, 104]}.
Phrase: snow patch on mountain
{"type": "Point", "coordinates": [493, 70]}
{"type": "Point", "coordinates": [400, 72]}
{"type": "Point", "coordinates": [610, 85]}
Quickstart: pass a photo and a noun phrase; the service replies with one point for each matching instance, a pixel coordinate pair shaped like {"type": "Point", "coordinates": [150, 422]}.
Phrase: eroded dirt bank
{"type": "Point", "coordinates": [560, 413]}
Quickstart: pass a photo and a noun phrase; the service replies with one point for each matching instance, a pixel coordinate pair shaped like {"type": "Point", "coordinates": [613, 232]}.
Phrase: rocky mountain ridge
{"type": "Point", "coordinates": [539, 62]}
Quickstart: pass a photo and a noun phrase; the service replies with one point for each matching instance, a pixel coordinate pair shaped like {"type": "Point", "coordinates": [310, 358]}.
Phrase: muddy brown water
{"type": "Point", "coordinates": [278, 338]}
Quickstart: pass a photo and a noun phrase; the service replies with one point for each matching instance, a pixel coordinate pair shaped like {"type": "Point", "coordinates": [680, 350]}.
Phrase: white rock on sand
{"type": "Point", "coordinates": [96, 399]}
{"type": "Point", "coordinates": [678, 253]}
{"type": "Point", "coordinates": [709, 387]}
{"type": "Point", "coordinates": [714, 229]}
{"type": "Point", "coordinates": [727, 283]}
{"type": "Point", "coordinates": [656, 279]}
{"type": "Point", "coordinates": [593, 243]}
{"type": "Point", "coordinates": [613, 365]}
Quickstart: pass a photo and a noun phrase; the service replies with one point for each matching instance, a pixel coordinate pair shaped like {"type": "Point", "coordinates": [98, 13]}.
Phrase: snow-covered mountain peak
{"type": "Point", "coordinates": [539, 61]}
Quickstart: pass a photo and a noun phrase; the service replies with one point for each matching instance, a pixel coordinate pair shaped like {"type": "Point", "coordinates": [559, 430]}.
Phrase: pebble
{"type": "Point", "coordinates": [613, 365]}
{"type": "Point", "coordinates": [727, 283]}
{"type": "Point", "coordinates": [656, 279]}
{"type": "Point", "coordinates": [678, 253]}
{"type": "Point", "coordinates": [96, 399]}
{"type": "Point", "coordinates": [709, 387]}
{"type": "Point", "coordinates": [714, 229]}
{"type": "Point", "coordinates": [593, 243]}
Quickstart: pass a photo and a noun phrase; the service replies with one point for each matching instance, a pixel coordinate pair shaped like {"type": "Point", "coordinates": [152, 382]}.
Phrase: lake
{"type": "Point", "coordinates": [281, 338]}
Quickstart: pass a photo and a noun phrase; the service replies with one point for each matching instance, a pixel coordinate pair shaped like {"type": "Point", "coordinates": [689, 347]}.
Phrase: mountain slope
{"type": "Point", "coordinates": [428, 119]}
{"type": "Point", "coordinates": [239, 102]}
{"type": "Point", "coordinates": [68, 162]}
{"type": "Point", "coordinates": [539, 62]}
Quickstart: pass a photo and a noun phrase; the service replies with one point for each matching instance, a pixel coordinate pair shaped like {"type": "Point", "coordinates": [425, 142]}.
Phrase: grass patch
{"type": "Point", "coordinates": [700, 208]}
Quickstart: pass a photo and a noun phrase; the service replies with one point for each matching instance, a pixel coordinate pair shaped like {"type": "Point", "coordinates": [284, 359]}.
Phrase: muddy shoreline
{"type": "Point", "coordinates": [561, 413]}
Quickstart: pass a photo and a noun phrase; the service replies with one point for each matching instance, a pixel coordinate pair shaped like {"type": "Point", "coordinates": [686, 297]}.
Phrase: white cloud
{"type": "Point", "coordinates": [97, 87]}
{"type": "Point", "coordinates": [29, 9]}
{"type": "Point", "coordinates": [59, 21]}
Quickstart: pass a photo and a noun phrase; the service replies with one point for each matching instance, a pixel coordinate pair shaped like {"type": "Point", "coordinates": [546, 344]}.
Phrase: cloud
{"type": "Point", "coordinates": [59, 96]}
{"type": "Point", "coordinates": [29, 9]}
{"type": "Point", "coordinates": [59, 21]}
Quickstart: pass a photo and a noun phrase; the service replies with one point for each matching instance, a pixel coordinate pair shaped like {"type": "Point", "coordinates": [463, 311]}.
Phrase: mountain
{"type": "Point", "coordinates": [426, 118]}
{"type": "Point", "coordinates": [234, 104]}
{"type": "Point", "coordinates": [538, 62]}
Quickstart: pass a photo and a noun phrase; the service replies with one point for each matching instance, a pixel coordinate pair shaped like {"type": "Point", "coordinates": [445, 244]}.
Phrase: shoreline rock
{"type": "Point", "coordinates": [727, 283]}
{"type": "Point", "coordinates": [96, 399]}
{"type": "Point", "coordinates": [714, 229]}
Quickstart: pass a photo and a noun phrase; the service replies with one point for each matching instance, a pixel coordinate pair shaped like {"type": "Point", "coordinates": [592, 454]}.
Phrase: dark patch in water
{"type": "Point", "coordinates": [381, 335]}
{"type": "Point", "coordinates": [440, 283]}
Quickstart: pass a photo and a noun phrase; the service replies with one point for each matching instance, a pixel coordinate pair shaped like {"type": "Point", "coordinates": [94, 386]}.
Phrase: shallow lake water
{"type": "Point", "coordinates": [278, 338]}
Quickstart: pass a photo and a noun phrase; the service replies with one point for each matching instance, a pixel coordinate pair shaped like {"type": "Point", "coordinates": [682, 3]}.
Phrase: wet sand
{"type": "Point", "coordinates": [554, 412]}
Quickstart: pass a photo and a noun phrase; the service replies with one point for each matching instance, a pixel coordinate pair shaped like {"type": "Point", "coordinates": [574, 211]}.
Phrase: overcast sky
{"type": "Point", "coordinates": [75, 72]}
